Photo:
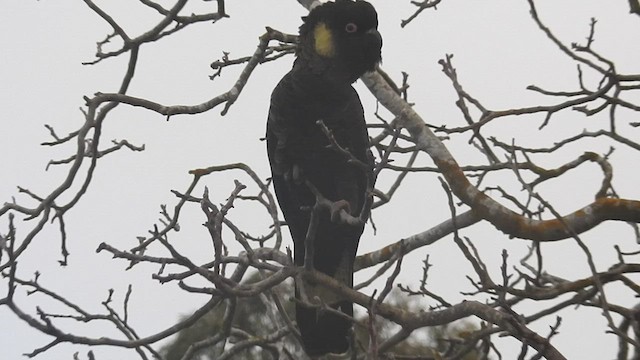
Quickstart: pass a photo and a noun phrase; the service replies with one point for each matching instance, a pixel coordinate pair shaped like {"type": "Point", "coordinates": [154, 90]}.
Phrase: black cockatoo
{"type": "Point", "coordinates": [338, 43]}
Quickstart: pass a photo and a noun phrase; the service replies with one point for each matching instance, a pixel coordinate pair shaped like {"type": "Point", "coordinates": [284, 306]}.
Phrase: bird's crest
{"type": "Point", "coordinates": [339, 40]}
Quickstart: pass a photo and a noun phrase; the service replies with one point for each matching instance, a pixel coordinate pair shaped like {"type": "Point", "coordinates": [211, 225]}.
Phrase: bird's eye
{"type": "Point", "coordinates": [351, 28]}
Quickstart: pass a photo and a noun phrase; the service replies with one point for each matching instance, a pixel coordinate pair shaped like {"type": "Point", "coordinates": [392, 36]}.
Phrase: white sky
{"type": "Point", "coordinates": [498, 52]}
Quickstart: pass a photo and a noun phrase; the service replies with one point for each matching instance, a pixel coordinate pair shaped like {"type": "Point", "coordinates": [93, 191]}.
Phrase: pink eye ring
{"type": "Point", "coordinates": [351, 28]}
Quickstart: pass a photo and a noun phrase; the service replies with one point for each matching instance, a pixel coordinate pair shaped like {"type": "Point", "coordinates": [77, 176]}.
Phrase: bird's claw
{"type": "Point", "coordinates": [338, 206]}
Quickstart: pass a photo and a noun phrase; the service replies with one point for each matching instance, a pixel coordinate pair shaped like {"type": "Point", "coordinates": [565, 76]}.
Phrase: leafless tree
{"type": "Point", "coordinates": [400, 138]}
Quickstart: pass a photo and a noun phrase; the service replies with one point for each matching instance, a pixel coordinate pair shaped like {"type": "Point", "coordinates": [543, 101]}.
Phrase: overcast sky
{"type": "Point", "coordinates": [498, 52]}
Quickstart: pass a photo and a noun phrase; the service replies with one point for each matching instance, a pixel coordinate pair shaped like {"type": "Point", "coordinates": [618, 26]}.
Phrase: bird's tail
{"type": "Point", "coordinates": [324, 331]}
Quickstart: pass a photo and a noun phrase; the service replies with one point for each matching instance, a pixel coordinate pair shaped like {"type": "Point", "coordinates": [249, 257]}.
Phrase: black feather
{"type": "Point", "coordinates": [319, 88]}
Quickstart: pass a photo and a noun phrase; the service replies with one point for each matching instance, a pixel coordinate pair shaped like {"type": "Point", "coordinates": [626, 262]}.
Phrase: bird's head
{"type": "Point", "coordinates": [340, 39]}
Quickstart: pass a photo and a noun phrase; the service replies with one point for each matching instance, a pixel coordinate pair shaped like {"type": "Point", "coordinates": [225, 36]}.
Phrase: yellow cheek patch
{"type": "Point", "coordinates": [324, 40]}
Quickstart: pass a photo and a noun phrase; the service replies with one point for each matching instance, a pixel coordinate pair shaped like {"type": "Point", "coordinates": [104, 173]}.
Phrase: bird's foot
{"type": "Point", "coordinates": [338, 206]}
